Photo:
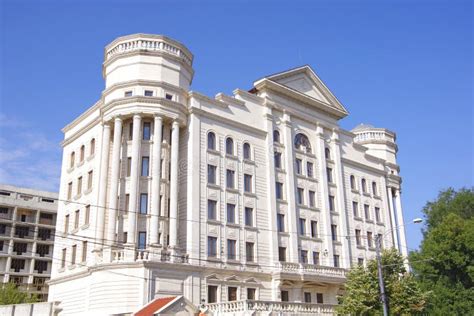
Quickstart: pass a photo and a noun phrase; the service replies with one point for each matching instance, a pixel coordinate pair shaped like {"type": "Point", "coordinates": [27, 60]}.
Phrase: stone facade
{"type": "Point", "coordinates": [236, 202]}
{"type": "Point", "coordinates": [27, 231]}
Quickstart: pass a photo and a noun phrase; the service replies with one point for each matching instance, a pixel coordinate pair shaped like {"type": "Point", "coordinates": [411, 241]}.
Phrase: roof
{"type": "Point", "coordinates": [362, 127]}
{"type": "Point", "coordinates": [154, 306]}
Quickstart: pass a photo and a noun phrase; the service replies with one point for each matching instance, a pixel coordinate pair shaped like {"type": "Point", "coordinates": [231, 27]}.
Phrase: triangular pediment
{"type": "Point", "coordinates": [304, 81]}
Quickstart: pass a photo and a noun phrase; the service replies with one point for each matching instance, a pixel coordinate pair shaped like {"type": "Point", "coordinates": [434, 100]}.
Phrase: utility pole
{"type": "Point", "coordinates": [383, 297]}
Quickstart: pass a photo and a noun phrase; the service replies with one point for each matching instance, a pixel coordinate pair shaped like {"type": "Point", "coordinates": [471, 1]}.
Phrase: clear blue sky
{"type": "Point", "coordinates": [403, 65]}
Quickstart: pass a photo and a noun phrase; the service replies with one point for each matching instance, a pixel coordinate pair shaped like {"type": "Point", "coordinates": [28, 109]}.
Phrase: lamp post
{"type": "Point", "coordinates": [378, 241]}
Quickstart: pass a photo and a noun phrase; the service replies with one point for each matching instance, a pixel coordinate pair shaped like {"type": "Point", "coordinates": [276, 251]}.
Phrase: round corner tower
{"type": "Point", "coordinates": [380, 141]}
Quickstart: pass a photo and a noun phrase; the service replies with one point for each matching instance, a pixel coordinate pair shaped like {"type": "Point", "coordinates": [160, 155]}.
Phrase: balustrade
{"type": "Point", "coordinates": [269, 306]}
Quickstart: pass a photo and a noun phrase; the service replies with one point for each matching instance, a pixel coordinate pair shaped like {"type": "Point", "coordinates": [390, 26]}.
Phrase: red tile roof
{"type": "Point", "coordinates": [155, 305]}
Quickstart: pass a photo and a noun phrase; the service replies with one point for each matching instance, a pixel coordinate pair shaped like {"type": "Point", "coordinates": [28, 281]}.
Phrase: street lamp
{"type": "Point", "coordinates": [379, 264]}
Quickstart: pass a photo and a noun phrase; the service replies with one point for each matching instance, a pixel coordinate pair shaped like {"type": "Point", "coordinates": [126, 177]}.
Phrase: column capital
{"type": "Point", "coordinates": [175, 123]}
{"type": "Point", "coordinates": [107, 125]}
{"type": "Point", "coordinates": [117, 118]}
{"type": "Point", "coordinates": [157, 116]}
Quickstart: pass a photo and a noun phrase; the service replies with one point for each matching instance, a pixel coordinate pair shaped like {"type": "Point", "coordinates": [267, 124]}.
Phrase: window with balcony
{"type": "Point", "coordinates": [231, 293]}
{"type": "Point", "coordinates": [316, 258]}
{"type": "Point", "coordinates": [249, 251]}
{"type": "Point", "coordinates": [304, 256]}
{"type": "Point", "coordinates": [230, 213]}
{"type": "Point", "coordinates": [319, 298]}
{"type": "Point", "coordinates": [230, 179]}
{"type": "Point", "coordinates": [211, 246]}
{"type": "Point", "coordinates": [211, 174]}
{"type": "Point", "coordinates": [141, 240]}
{"type": "Point", "coordinates": [145, 166]}
{"type": "Point", "coordinates": [277, 158]}
{"type": "Point", "coordinates": [248, 216]}
{"type": "Point", "coordinates": [307, 297]}
{"type": "Point", "coordinates": [282, 254]}
{"type": "Point", "coordinates": [211, 209]}
{"type": "Point", "coordinates": [247, 153]}
{"type": "Point", "coordinates": [231, 249]}
{"type": "Point", "coordinates": [248, 183]}
{"type": "Point", "coordinates": [211, 141]}
{"type": "Point", "coordinates": [285, 296]}
{"type": "Point", "coordinates": [229, 146]}
{"type": "Point", "coordinates": [336, 261]}
{"type": "Point", "coordinates": [251, 293]}
{"type": "Point", "coordinates": [211, 294]}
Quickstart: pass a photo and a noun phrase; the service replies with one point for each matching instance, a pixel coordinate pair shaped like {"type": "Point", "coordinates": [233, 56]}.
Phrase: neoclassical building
{"type": "Point", "coordinates": [257, 201]}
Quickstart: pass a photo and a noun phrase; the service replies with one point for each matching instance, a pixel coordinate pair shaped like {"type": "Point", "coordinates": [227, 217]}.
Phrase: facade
{"type": "Point", "coordinates": [27, 230]}
{"type": "Point", "coordinates": [236, 202]}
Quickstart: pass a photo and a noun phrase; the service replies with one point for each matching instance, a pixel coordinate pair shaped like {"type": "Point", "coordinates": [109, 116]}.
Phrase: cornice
{"type": "Point", "coordinates": [205, 98]}
{"type": "Point", "coordinates": [141, 82]}
{"type": "Point", "coordinates": [381, 142]}
{"type": "Point", "coordinates": [363, 166]}
{"type": "Point", "coordinates": [253, 97]}
{"type": "Point", "coordinates": [143, 99]}
{"type": "Point", "coordinates": [82, 116]}
{"type": "Point", "coordinates": [228, 99]}
{"type": "Point", "coordinates": [81, 132]}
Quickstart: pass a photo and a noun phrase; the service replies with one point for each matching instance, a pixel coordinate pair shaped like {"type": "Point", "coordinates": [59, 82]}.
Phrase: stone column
{"type": "Point", "coordinates": [114, 181]}
{"type": "Point", "coordinates": [104, 168]}
{"type": "Point", "coordinates": [173, 220]}
{"type": "Point", "coordinates": [155, 182]}
{"type": "Point", "coordinates": [276, 290]}
{"type": "Point", "coordinates": [341, 202]}
{"type": "Point", "coordinates": [401, 226]}
{"type": "Point", "coordinates": [292, 214]}
{"type": "Point", "coordinates": [391, 207]}
{"type": "Point", "coordinates": [134, 183]}
{"type": "Point", "coordinates": [323, 185]}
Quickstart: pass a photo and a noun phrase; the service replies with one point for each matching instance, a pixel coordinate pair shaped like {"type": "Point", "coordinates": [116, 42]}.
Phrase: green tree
{"type": "Point", "coordinates": [10, 294]}
{"type": "Point", "coordinates": [361, 296]}
{"type": "Point", "coordinates": [445, 262]}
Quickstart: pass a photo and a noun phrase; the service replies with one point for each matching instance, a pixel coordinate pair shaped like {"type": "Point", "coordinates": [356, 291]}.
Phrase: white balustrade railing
{"type": "Point", "coordinates": [142, 255]}
{"type": "Point", "coordinates": [270, 306]}
{"type": "Point", "coordinates": [149, 45]}
{"type": "Point", "coordinates": [307, 268]}
{"type": "Point", "coordinates": [118, 255]}
{"type": "Point", "coordinates": [373, 135]}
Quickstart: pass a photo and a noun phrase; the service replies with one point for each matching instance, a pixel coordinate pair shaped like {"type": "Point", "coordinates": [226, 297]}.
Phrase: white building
{"type": "Point", "coordinates": [27, 229]}
{"type": "Point", "coordinates": [253, 199]}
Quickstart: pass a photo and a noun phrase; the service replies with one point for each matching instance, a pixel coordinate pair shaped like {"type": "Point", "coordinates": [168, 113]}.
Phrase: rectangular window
{"type": "Point", "coordinates": [307, 297]}
{"type": "Point", "coordinates": [360, 261]}
{"type": "Point", "coordinates": [141, 240]}
{"type": "Point", "coordinates": [230, 179]}
{"type": "Point", "coordinates": [249, 251]}
{"type": "Point", "coordinates": [336, 261]}
{"type": "Point", "coordinates": [304, 256]}
{"type": "Point", "coordinates": [129, 166]}
{"type": "Point", "coordinates": [329, 173]}
{"type": "Point", "coordinates": [211, 209]}
{"type": "Point", "coordinates": [169, 96]}
{"type": "Point", "coordinates": [277, 160]}
{"type": "Point", "coordinates": [145, 166]}
{"type": "Point", "coordinates": [319, 298]}
{"type": "Point", "coordinates": [358, 237]}
{"type": "Point", "coordinates": [143, 203]}
{"type": "Point", "coordinates": [285, 296]}
{"type": "Point", "coordinates": [314, 229]}
{"type": "Point", "coordinates": [79, 185]}
{"type": "Point", "coordinates": [212, 294]}
{"type": "Point", "coordinates": [367, 211]}
{"type": "Point", "coordinates": [355, 209]}
{"type": "Point", "coordinates": [300, 196]}
{"type": "Point", "coordinates": [87, 214]}
{"type": "Point", "coordinates": [89, 179]}
{"type": "Point", "coordinates": [302, 226]}
{"type": "Point", "coordinates": [63, 257]}
{"type": "Point", "coordinates": [298, 164]}
{"type": "Point", "coordinates": [73, 255]}
{"type": "Point", "coordinates": [231, 249]}
{"type": "Point", "coordinates": [370, 241]}
{"type": "Point", "coordinates": [316, 258]}
{"type": "Point", "coordinates": [69, 191]}
{"type": "Point", "coordinates": [66, 224]}
{"type": "Point", "coordinates": [249, 216]}
{"type": "Point", "coordinates": [211, 174]}
{"type": "Point", "coordinates": [247, 183]}
{"type": "Point", "coordinates": [231, 293]}
{"type": "Point", "coordinates": [211, 246]}
{"type": "Point", "coordinates": [128, 93]}
{"type": "Point", "coordinates": [84, 251]}
{"type": "Point", "coordinates": [282, 254]}
{"type": "Point", "coordinates": [312, 199]}
{"type": "Point", "coordinates": [76, 219]}
{"type": "Point", "coordinates": [377, 215]}
{"type": "Point", "coordinates": [251, 294]}
{"type": "Point", "coordinates": [146, 130]}
{"type": "Point", "coordinates": [332, 203]}
{"type": "Point", "coordinates": [309, 169]}
{"type": "Point", "coordinates": [127, 202]}
{"type": "Point", "coordinates": [334, 232]}
{"type": "Point", "coordinates": [279, 190]}
{"type": "Point", "coordinates": [281, 223]}
{"type": "Point", "coordinates": [230, 213]}
{"type": "Point", "coordinates": [148, 93]}
{"type": "Point", "coordinates": [130, 131]}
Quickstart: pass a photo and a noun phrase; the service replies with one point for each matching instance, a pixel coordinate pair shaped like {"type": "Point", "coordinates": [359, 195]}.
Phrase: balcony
{"type": "Point", "coordinates": [313, 270]}
{"type": "Point", "coordinates": [264, 307]}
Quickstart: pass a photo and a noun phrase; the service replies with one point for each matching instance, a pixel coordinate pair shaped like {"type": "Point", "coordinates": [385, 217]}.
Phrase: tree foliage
{"type": "Point", "coordinates": [403, 292]}
{"type": "Point", "coordinates": [445, 262]}
{"type": "Point", "coordinates": [10, 294]}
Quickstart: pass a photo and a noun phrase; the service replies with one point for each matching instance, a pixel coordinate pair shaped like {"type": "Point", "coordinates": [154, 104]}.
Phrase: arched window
{"type": "Point", "coordinates": [92, 150]}
{"type": "Point", "coordinates": [211, 141]}
{"type": "Point", "coordinates": [276, 136]}
{"type": "Point", "coordinates": [353, 182]}
{"type": "Point", "coordinates": [302, 143]}
{"type": "Point", "coordinates": [374, 188]}
{"type": "Point", "coordinates": [364, 186]}
{"type": "Point", "coordinates": [72, 159]}
{"type": "Point", "coordinates": [229, 146]}
{"type": "Point", "coordinates": [83, 149]}
{"type": "Point", "coordinates": [246, 151]}
{"type": "Point", "coordinates": [327, 153]}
